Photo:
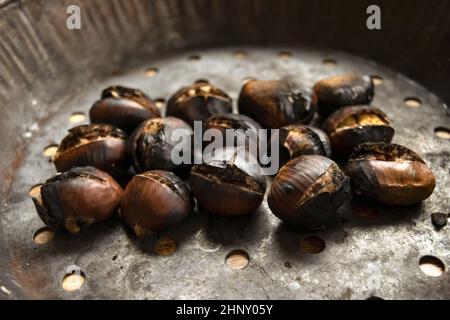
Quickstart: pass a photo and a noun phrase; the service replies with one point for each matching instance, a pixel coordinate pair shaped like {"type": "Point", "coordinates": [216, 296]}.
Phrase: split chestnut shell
{"type": "Point", "coordinates": [276, 103]}
{"type": "Point", "coordinates": [76, 199]}
{"type": "Point", "coordinates": [308, 190]}
{"type": "Point", "coordinates": [154, 201]}
{"type": "Point", "coordinates": [198, 102]}
{"type": "Point", "coordinates": [102, 146]}
{"type": "Point", "coordinates": [341, 91]}
{"type": "Point", "coordinates": [390, 174]}
{"type": "Point", "coordinates": [124, 108]}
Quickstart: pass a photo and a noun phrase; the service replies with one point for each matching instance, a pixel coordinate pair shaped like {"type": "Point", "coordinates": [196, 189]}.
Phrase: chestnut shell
{"type": "Point", "coordinates": [307, 191]}
{"type": "Point", "coordinates": [102, 146]}
{"type": "Point", "coordinates": [76, 198]}
{"type": "Point", "coordinates": [298, 140]}
{"type": "Point", "coordinates": [155, 201]}
{"type": "Point", "coordinates": [124, 108]}
{"type": "Point", "coordinates": [198, 102]}
{"type": "Point", "coordinates": [228, 183]}
{"type": "Point", "coordinates": [349, 127]}
{"type": "Point", "coordinates": [343, 90]}
{"type": "Point", "coordinates": [276, 103]}
{"type": "Point", "coordinates": [150, 145]}
{"type": "Point", "coordinates": [390, 174]}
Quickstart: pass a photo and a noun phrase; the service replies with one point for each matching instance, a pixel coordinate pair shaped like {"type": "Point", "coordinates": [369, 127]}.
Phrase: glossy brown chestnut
{"type": "Point", "coordinates": [152, 143]}
{"type": "Point", "coordinates": [349, 127]}
{"type": "Point", "coordinates": [245, 128]}
{"type": "Point", "coordinates": [102, 146]}
{"type": "Point", "coordinates": [198, 102]}
{"type": "Point", "coordinates": [390, 174]}
{"type": "Point", "coordinates": [274, 104]}
{"type": "Point", "coordinates": [76, 199]}
{"type": "Point", "coordinates": [298, 140]}
{"type": "Point", "coordinates": [343, 90]}
{"type": "Point", "coordinates": [155, 201]}
{"type": "Point", "coordinates": [124, 108]}
{"type": "Point", "coordinates": [308, 190]}
{"type": "Point", "coordinates": [228, 183]}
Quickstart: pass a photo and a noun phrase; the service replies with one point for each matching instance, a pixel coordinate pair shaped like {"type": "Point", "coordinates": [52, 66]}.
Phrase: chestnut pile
{"type": "Point", "coordinates": [129, 137]}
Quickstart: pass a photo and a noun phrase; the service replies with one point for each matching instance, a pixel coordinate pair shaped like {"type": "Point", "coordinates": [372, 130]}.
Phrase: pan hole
{"type": "Point", "coordinates": [237, 259]}
{"type": "Point", "coordinates": [312, 244]}
{"type": "Point", "coordinates": [50, 151]}
{"type": "Point", "coordinates": [442, 133]}
{"type": "Point", "coordinates": [194, 57]}
{"type": "Point", "coordinates": [247, 79]}
{"type": "Point", "coordinates": [160, 103]}
{"type": "Point", "coordinates": [114, 258]}
{"type": "Point", "coordinates": [201, 81]}
{"type": "Point", "coordinates": [77, 117]}
{"type": "Point", "coordinates": [413, 103]}
{"type": "Point", "coordinates": [329, 63]}
{"type": "Point", "coordinates": [377, 80]}
{"type": "Point", "coordinates": [432, 266]}
{"type": "Point", "coordinates": [165, 247]}
{"type": "Point", "coordinates": [43, 236]}
{"type": "Point", "coordinates": [151, 72]}
{"type": "Point", "coordinates": [285, 55]}
{"type": "Point", "coordinates": [73, 280]}
{"type": "Point", "coordinates": [240, 55]}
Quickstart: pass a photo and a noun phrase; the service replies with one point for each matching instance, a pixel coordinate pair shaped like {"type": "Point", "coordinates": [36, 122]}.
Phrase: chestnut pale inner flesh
{"type": "Point", "coordinates": [365, 119]}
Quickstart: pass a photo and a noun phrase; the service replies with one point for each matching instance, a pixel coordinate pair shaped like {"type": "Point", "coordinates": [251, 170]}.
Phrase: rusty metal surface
{"type": "Point", "coordinates": [375, 255]}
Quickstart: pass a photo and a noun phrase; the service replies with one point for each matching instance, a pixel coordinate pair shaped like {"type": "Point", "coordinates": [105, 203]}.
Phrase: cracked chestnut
{"type": "Point", "coordinates": [243, 128]}
{"type": "Point", "coordinates": [349, 127]}
{"type": "Point", "coordinates": [276, 103]}
{"type": "Point", "coordinates": [198, 102]}
{"type": "Point", "coordinates": [299, 140]}
{"type": "Point", "coordinates": [390, 174]}
{"type": "Point", "coordinates": [76, 199]}
{"type": "Point", "coordinates": [124, 108]}
{"type": "Point", "coordinates": [228, 183]}
{"type": "Point", "coordinates": [341, 91]}
{"type": "Point", "coordinates": [152, 143]}
{"type": "Point", "coordinates": [102, 146]}
{"type": "Point", "coordinates": [155, 201]}
{"type": "Point", "coordinates": [308, 191]}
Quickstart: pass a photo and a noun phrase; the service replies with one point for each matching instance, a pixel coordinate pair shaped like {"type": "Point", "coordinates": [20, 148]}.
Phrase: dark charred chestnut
{"type": "Point", "coordinates": [390, 174]}
{"type": "Point", "coordinates": [102, 146]}
{"type": "Point", "coordinates": [308, 190]}
{"type": "Point", "coordinates": [124, 108]}
{"type": "Point", "coordinates": [341, 91]}
{"type": "Point", "coordinates": [155, 201]}
{"type": "Point", "coordinates": [76, 199]}
{"type": "Point", "coordinates": [274, 104]}
{"type": "Point", "coordinates": [198, 102]}
{"type": "Point", "coordinates": [228, 183]}
{"type": "Point", "coordinates": [243, 128]}
{"type": "Point", "coordinates": [298, 140]}
{"type": "Point", "coordinates": [349, 127]}
{"type": "Point", "coordinates": [152, 143]}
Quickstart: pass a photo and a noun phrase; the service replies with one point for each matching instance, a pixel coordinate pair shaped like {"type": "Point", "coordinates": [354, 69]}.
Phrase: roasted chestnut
{"type": "Point", "coordinates": [152, 143]}
{"type": "Point", "coordinates": [124, 108]}
{"type": "Point", "coordinates": [154, 201]}
{"type": "Point", "coordinates": [308, 190]}
{"type": "Point", "coordinates": [274, 104]}
{"type": "Point", "coordinates": [198, 102]}
{"type": "Point", "coordinates": [390, 174]}
{"type": "Point", "coordinates": [102, 146]}
{"type": "Point", "coordinates": [239, 124]}
{"type": "Point", "coordinates": [343, 90]}
{"type": "Point", "coordinates": [228, 182]}
{"type": "Point", "coordinates": [298, 140]}
{"type": "Point", "coordinates": [349, 127]}
{"type": "Point", "coordinates": [76, 199]}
